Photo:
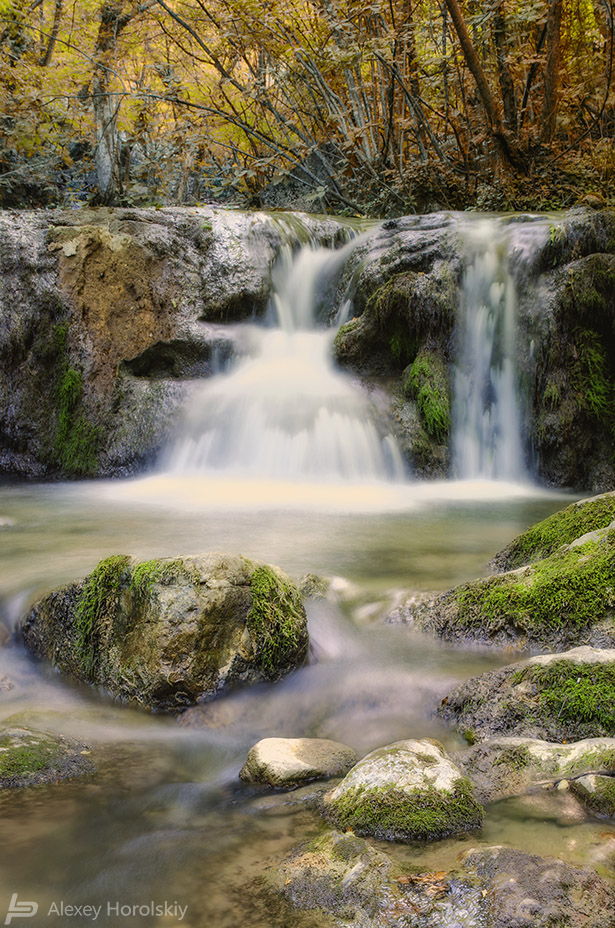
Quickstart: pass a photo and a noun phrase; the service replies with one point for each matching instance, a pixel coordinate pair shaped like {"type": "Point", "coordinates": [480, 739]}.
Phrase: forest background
{"type": "Point", "coordinates": [382, 107]}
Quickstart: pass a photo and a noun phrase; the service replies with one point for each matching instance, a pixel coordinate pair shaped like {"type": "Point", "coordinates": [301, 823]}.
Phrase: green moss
{"type": "Point", "coordinates": [146, 574]}
{"type": "Point", "coordinates": [570, 590]}
{"type": "Point", "coordinates": [516, 757]}
{"type": "Point", "coordinates": [561, 528]}
{"type": "Point", "coordinates": [17, 760]}
{"type": "Point", "coordinates": [420, 814]}
{"type": "Point", "coordinates": [275, 620]}
{"type": "Point", "coordinates": [602, 801]}
{"type": "Point", "coordinates": [426, 382]}
{"type": "Point", "coordinates": [96, 607]}
{"type": "Point", "coordinates": [576, 693]}
{"type": "Point", "coordinates": [591, 284]}
{"type": "Point", "coordinates": [76, 440]}
{"type": "Point", "coordinates": [401, 347]}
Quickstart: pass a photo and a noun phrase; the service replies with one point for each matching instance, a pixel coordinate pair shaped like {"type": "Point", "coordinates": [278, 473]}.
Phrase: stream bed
{"type": "Point", "coordinates": [164, 834]}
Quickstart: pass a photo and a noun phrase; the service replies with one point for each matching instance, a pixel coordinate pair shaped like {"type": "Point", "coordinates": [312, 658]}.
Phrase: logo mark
{"type": "Point", "coordinates": [20, 909]}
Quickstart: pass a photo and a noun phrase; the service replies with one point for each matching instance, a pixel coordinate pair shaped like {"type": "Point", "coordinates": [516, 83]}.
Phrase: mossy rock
{"type": "Point", "coordinates": [30, 758]}
{"type": "Point", "coordinates": [500, 768]}
{"type": "Point", "coordinates": [565, 599]}
{"type": "Point", "coordinates": [597, 793]}
{"type": "Point", "coordinates": [561, 528]}
{"type": "Point", "coordinates": [557, 697]}
{"type": "Point", "coordinates": [167, 633]}
{"type": "Point", "coordinates": [426, 382]}
{"type": "Point", "coordinates": [410, 790]}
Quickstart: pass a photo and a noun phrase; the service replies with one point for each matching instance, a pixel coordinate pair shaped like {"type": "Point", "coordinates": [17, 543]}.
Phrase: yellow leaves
{"type": "Point", "coordinates": [433, 885]}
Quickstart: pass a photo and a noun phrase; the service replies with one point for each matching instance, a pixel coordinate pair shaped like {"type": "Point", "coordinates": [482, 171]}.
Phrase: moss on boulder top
{"type": "Point", "coordinates": [561, 528]}
{"type": "Point", "coordinates": [557, 697]}
{"type": "Point", "coordinates": [564, 599]}
{"type": "Point", "coordinates": [166, 633]}
{"type": "Point", "coordinates": [29, 757]}
{"type": "Point", "coordinates": [410, 790]}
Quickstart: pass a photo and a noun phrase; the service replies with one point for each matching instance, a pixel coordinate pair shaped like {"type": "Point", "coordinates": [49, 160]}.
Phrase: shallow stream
{"type": "Point", "coordinates": [166, 819]}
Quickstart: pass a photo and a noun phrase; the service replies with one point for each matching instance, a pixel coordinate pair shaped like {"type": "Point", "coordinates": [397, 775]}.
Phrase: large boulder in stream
{"type": "Point", "coordinates": [561, 595]}
{"type": "Point", "coordinates": [557, 697]}
{"type": "Point", "coordinates": [406, 791]}
{"type": "Point", "coordinates": [170, 632]}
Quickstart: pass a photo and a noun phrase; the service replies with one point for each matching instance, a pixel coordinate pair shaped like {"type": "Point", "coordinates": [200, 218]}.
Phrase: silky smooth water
{"type": "Point", "coordinates": [166, 818]}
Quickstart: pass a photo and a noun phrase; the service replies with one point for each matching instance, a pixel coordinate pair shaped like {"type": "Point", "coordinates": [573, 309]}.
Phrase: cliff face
{"type": "Point", "coordinates": [408, 329]}
{"type": "Point", "coordinates": [108, 319]}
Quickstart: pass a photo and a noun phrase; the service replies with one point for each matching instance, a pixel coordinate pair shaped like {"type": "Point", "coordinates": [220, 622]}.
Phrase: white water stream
{"type": "Point", "coordinates": [486, 416]}
{"type": "Point", "coordinates": [284, 412]}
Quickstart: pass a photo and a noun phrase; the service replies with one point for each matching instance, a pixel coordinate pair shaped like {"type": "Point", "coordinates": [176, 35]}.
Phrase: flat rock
{"type": "Point", "coordinates": [526, 891]}
{"type": "Point", "coordinates": [505, 767]}
{"type": "Point", "coordinates": [560, 697]}
{"type": "Point", "coordinates": [290, 761]}
{"type": "Point", "coordinates": [407, 790]}
{"type": "Point", "coordinates": [30, 758]}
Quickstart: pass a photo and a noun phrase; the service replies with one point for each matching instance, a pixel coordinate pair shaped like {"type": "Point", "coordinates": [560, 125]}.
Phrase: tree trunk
{"type": "Point", "coordinates": [551, 98]}
{"type": "Point", "coordinates": [506, 82]}
{"type": "Point", "coordinates": [105, 104]}
{"type": "Point", "coordinates": [490, 105]}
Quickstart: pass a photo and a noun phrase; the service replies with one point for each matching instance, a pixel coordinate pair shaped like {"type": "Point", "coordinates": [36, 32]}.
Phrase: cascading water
{"type": "Point", "coordinates": [486, 417]}
{"type": "Point", "coordinates": [284, 412]}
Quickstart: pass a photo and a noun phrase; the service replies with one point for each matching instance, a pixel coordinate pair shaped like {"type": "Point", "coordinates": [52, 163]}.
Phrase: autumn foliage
{"type": "Point", "coordinates": [382, 106]}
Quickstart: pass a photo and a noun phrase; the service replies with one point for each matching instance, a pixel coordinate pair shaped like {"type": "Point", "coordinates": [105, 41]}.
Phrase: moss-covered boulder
{"type": "Point", "coordinates": [410, 790]}
{"type": "Point", "coordinates": [503, 767]}
{"type": "Point", "coordinates": [29, 758]}
{"type": "Point", "coordinates": [562, 528]}
{"type": "Point", "coordinates": [558, 697]}
{"type": "Point", "coordinates": [169, 632]}
{"type": "Point", "coordinates": [567, 598]}
{"type": "Point", "coordinates": [287, 762]}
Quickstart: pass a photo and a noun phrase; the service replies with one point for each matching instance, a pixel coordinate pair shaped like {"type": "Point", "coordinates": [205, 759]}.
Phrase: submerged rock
{"type": "Point", "coordinates": [503, 767]}
{"type": "Point", "coordinates": [405, 791]}
{"type": "Point", "coordinates": [343, 877]}
{"type": "Point", "coordinates": [556, 697]}
{"type": "Point", "coordinates": [563, 599]}
{"type": "Point", "coordinates": [31, 758]}
{"type": "Point", "coordinates": [526, 891]}
{"type": "Point", "coordinates": [291, 761]}
{"type": "Point", "coordinates": [339, 874]}
{"type": "Point", "coordinates": [169, 632]}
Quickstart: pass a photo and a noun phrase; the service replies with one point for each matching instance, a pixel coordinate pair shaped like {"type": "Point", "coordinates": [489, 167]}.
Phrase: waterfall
{"type": "Point", "coordinates": [486, 417]}
{"type": "Point", "coordinates": [283, 411]}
